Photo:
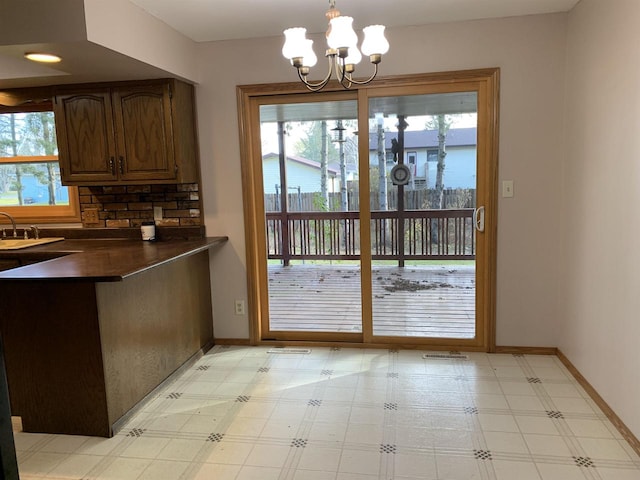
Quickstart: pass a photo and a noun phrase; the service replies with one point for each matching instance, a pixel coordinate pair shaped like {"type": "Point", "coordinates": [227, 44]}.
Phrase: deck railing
{"type": "Point", "coordinates": [409, 235]}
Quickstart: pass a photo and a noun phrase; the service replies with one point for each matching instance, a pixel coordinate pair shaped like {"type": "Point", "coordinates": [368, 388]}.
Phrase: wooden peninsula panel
{"type": "Point", "coordinates": [53, 357]}
{"type": "Point", "coordinates": [150, 324]}
{"type": "Point", "coordinates": [80, 354]}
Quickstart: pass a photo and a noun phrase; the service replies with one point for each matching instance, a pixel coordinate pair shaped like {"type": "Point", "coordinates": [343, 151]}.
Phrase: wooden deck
{"type": "Point", "coordinates": [434, 302]}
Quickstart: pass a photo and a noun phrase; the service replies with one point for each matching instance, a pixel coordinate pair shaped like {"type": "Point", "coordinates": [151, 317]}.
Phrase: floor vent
{"type": "Point", "coordinates": [446, 356]}
{"type": "Point", "coordinates": [290, 350]}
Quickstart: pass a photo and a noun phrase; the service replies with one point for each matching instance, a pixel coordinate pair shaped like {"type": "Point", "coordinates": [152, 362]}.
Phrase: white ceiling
{"type": "Point", "coordinates": [61, 27]}
{"type": "Point", "coordinates": [209, 20]}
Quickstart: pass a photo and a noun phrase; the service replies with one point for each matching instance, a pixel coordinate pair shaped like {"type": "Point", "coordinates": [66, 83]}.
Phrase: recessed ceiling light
{"type": "Point", "coordinates": [43, 57]}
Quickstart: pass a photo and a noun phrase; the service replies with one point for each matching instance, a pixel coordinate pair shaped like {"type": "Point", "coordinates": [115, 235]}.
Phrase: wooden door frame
{"type": "Point", "coordinates": [249, 97]}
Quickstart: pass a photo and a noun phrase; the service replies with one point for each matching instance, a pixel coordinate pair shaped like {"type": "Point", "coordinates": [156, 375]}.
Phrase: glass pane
{"type": "Point", "coordinates": [310, 181]}
{"type": "Point", "coordinates": [423, 186]}
{"type": "Point", "coordinates": [29, 134]}
{"type": "Point", "coordinates": [31, 184]}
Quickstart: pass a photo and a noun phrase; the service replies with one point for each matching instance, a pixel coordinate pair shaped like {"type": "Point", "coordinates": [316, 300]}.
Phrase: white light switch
{"type": "Point", "coordinates": [507, 188]}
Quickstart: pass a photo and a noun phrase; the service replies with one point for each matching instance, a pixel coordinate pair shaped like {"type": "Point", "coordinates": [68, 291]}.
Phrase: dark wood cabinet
{"type": "Point", "coordinates": [8, 263]}
{"type": "Point", "coordinates": [127, 133]}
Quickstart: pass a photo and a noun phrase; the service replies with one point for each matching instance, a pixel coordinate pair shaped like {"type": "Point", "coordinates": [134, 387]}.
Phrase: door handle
{"type": "Point", "coordinates": [478, 219]}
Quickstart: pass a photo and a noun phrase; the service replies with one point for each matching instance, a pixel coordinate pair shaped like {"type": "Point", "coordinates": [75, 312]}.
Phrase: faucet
{"type": "Point", "coordinates": [13, 223]}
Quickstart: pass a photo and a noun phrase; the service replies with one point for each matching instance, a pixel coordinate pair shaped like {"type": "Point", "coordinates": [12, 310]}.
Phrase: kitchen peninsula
{"type": "Point", "coordinates": [96, 325]}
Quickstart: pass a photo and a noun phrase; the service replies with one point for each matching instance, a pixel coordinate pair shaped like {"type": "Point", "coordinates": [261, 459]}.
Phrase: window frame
{"type": "Point", "coordinates": [41, 213]}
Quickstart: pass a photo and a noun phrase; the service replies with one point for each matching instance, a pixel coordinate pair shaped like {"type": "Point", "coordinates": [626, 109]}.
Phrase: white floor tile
{"type": "Point", "coordinates": [41, 463]}
{"type": "Point", "coordinates": [210, 471]}
{"type": "Point", "coordinates": [181, 449]}
{"type": "Point", "coordinates": [144, 447]}
{"type": "Point", "coordinates": [454, 467]}
{"type": "Point", "coordinates": [498, 423]}
{"type": "Point", "coordinates": [502, 442]}
{"type": "Point", "coordinates": [268, 456]}
{"type": "Point", "coordinates": [509, 470]}
{"type": "Point", "coordinates": [603, 448]}
{"type": "Point", "coordinates": [319, 458]}
{"type": "Point", "coordinates": [415, 465]}
{"type": "Point", "coordinates": [255, 473]}
{"type": "Point", "coordinates": [351, 414]}
{"type": "Point", "coordinates": [64, 443]}
{"type": "Point", "coordinates": [550, 445]}
{"type": "Point", "coordinates": [526, 403]}
{"type": "Point", "coordinates": [164, 470]}
{"type": "Point", "coordinates": [560, 472]}
{"type": "Point", "coordinates": [359, 462]}
{"type": "Point", "coordinates": [364, 434]}
{"type": "Point", "coordinates": [124, 469]}
{"type": "Point", "coordinates": [328, 432]}
{"type": "Point", "coordinates": [536, 424]}
{"type": "Point", "coordinates": [588, 428]}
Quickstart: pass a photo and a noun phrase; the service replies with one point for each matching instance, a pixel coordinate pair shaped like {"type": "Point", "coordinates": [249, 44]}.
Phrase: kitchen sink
{"type": "Point", "coordinates": [18, 243]}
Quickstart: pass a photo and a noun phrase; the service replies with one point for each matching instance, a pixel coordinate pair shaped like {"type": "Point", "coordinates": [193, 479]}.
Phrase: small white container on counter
{"type": "Point", "coordinates": [148, 231]}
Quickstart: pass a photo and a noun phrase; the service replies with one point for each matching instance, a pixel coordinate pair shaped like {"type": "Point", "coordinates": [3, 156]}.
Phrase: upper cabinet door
{"type": "Point", "coordinates": [127, 133]}
{"type": "Point", "coordinates": [86, 145]}
{"type": "Point", "coordinates": [144, 133]}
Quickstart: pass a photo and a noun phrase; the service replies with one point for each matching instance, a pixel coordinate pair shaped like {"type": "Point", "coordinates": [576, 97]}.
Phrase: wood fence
{"type": "Point", "coordinates": [413, 200]}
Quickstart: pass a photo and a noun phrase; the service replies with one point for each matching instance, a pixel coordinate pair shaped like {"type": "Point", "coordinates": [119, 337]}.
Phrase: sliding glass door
{"type": "Point", "coordinates": [371, 213]}
{"type": "Point", "coordinates": [423, 171]}
{"type": "Point", "coordinates": [309, 152]}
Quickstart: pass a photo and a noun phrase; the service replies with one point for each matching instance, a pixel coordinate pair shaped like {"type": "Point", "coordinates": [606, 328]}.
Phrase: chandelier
{"type": "Point", "coordinates": [342, 52]}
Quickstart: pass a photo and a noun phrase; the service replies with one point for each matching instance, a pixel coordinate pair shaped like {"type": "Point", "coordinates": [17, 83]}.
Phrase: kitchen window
{"type": "Point", "coordinates": [30, 186]}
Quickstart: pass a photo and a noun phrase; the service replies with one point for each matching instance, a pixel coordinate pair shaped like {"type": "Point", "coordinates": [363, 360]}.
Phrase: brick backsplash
{"type": "Point", "coordinates": [130, 205]}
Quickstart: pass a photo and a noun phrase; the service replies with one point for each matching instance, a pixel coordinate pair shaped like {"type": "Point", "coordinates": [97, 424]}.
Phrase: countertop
{"type": "Point", "coordinates": [100, 260]}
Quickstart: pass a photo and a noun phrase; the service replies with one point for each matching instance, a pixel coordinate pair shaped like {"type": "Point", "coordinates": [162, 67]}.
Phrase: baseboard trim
{"type": "Point", "coordinates": [600, 402]}
{"type": "Point", "coordinates": [232, 341]}
{"type": "Point", "coordinates": [527, 350]}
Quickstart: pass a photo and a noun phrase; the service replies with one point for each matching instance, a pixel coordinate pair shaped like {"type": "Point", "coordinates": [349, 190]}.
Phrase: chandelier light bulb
{"type": "Point", "coordinates": [309, 58]}
{"type": "Point", "coordinates": [354, 56]}
{"type": "Point", "coordinates": [294, 43]}
{"type": "Point", "coordinates": [342, 33]}
{"type": "Point", "coordinates": [374, 42]}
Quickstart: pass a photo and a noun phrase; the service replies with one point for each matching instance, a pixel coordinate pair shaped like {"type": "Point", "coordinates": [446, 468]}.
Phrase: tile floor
{"type": "Point", "coordinates": [242, 413]}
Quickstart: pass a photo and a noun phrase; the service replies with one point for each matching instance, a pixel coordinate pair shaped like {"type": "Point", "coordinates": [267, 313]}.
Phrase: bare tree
{"type": "Point", "coordinates": [441, 123]}
{"type": "Point", "coordinates": [324, 166]}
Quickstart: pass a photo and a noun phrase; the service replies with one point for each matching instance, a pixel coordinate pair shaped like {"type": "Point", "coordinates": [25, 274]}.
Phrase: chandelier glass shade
{"type": "Point", "coordinates": [342, 53]}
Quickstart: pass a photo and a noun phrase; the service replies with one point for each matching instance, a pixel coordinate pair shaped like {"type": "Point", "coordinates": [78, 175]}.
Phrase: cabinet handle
{"type": "Point", "coordinates": [112, 166]}
{"type": "Point", "coordinates": [121, 165]}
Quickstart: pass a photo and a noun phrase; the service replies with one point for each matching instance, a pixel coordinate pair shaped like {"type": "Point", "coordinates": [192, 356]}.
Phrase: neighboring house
{"type": "Point", "coordinates": [34, 192]}
{"type": "Point", "coordinates": [302, 174]}
{"type": "Point", "coordinates": [421, 155]}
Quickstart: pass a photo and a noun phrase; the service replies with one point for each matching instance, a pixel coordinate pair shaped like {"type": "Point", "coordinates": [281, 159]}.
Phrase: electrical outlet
{"type": "Point", "coordinates": [157, 213]}
{"type": "Point", "coordinates": [239, 307]}
{"type": "Point", "coordinates": [91, 216]}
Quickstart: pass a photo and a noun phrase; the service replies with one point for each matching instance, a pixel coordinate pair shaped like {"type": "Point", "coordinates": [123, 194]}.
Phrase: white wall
{"type": "Point", "coordinates": [125, 28]}
{"type": "Point", "coordinates": [531, 54]}
{"type": "Point", "coordinates": [601, 278]}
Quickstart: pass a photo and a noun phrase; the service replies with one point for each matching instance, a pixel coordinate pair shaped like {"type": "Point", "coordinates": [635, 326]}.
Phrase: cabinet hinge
{"type": "Point", "coordinates": [175, 169]}
{"type": "Point", "coordinates": [170, 91]}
